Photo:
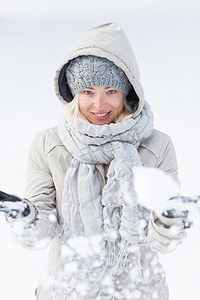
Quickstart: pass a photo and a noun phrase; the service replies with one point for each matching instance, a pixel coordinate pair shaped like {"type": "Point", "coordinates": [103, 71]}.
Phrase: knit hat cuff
{"type": "Point", "coordinates": [107, 82]}
{"type": "Point", "coordinates": [85, 71]}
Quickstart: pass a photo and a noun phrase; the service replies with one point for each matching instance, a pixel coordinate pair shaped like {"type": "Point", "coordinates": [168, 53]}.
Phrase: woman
{"type": "Point", "coordinates": [80, 194]}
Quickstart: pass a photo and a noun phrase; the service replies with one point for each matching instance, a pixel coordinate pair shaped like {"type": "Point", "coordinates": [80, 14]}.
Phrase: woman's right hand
{"type": "Point", "coordinates": [13, 206]}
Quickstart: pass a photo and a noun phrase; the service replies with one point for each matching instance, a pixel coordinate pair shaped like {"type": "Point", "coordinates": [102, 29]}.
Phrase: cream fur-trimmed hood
{"type": "Point", "coordinates": [109, 41]}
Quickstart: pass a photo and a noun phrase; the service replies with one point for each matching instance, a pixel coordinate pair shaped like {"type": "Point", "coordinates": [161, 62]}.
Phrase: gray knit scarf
{"type": "Point", "coordinates": [109, 214]}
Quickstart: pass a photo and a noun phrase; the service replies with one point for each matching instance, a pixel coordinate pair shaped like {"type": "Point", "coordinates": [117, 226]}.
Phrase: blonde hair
{"type": "Point", "coordinates": [72, 112]}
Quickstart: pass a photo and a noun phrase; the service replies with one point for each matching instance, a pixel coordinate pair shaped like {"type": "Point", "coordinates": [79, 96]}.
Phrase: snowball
{"type": "Point", "coordinates": [154, 188]}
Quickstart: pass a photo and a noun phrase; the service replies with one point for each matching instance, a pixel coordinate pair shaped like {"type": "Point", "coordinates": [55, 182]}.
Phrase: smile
{"type": "Point", "coordinates": [101, 116]}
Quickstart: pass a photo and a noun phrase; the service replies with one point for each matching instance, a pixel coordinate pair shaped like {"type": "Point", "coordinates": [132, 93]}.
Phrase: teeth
{"type": "Point", "coordinates": [101, 115]}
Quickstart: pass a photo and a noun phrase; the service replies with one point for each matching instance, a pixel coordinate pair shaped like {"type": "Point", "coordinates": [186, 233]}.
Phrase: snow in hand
{"type": "Point", "coordinates": [13, 209]}
{"type": "Point", "coordinates": [160, 193]}
{"type": "Point", "coordinates": [154, 188]}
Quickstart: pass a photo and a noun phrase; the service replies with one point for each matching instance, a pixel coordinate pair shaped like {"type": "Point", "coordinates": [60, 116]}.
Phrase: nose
{"type": "Point", "coordinates": [99, 102]}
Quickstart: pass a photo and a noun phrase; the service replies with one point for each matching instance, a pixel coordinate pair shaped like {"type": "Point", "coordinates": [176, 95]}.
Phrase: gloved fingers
{"type": "Point", "coordinates": [173, 213]}
{"type": "Point", "coordinates": [164, 227]}
{"type": "Point", "coordinates": [182, 208]}
{"type": "Point", "coordinates": [4, 197]}
{"type": "Point", "coordinates": [12, 209]}
{"type": "Point", "coordinates": [13, 206]}
{"type": "Point", "coordinates": [177, 217]}
{"type": "Point", "coordinates": [163, 239]}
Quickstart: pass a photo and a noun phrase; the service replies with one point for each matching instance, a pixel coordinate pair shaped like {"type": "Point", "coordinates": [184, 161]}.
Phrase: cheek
{"type": "Point", "coordinates": [84, 108]}
{"type": "Point", "coordinates": [81, 103]}
{"type": "Point", "coordinates": [120, 105]}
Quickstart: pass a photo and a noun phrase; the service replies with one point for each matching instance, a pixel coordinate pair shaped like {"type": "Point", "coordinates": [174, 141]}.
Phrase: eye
{"type": "Point", "coordinates": [110, 92]}
{"type": "Point", "coordinates": [87, 92]}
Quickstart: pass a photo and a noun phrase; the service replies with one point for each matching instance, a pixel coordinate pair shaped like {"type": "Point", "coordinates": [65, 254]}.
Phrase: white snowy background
{"type": "Point", "coordinates": [34, 37]}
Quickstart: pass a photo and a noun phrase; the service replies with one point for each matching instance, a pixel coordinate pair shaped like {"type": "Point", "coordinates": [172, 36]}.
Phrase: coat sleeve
{"type": "Point", "coordinates": [166, 234]}
{"type": "Point", "coordinates": [166, 160]}
{"type": "Point", "coordinates": [39, 227]}
{"type": "Point", "coordinates": [158, 151]}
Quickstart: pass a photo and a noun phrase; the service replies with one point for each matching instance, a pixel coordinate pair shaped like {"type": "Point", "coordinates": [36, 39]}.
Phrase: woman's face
{"type": "Point", "coordinates": [101, 105]}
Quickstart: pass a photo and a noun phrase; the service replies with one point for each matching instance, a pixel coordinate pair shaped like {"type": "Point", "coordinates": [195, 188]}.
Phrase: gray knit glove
{"type": "Point", "coordinates": [182, 215]}
{"type": "Point", "coordinates": [13, 206]}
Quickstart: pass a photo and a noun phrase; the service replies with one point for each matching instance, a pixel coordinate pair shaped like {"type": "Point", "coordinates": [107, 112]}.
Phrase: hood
{"type": "Point", "coordinates": [109, 41]}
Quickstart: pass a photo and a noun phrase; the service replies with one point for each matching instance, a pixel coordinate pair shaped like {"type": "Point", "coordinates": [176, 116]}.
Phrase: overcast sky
{"type": "Point", "coordinates": [35, 35]}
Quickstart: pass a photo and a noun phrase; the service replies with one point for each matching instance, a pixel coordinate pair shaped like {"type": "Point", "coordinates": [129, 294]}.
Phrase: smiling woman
{"type": "Point", "coordinates": [101, 105]}
{"type": "Point", "coordinates": [101, 87]}
{"type": "Point", "coordinates": [91, 104]}
{"type": "Point", "coordinates": [80, 194]}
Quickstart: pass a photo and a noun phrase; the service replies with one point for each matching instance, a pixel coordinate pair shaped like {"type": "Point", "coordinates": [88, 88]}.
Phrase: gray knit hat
{"type": "Point", "coordinates": [89, 70]}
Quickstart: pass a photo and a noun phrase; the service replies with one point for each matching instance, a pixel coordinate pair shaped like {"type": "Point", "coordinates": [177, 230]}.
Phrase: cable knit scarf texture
{"type": "Point", "coordinates": [112, 212]}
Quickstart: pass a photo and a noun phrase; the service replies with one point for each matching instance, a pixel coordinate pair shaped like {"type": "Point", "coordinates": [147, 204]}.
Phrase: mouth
{"type": "Point", "coordinates": [101, 116]}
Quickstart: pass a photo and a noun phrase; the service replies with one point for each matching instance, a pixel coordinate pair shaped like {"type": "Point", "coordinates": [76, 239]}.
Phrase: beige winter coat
{"type": "Point", "coordinates": [49, 159]}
